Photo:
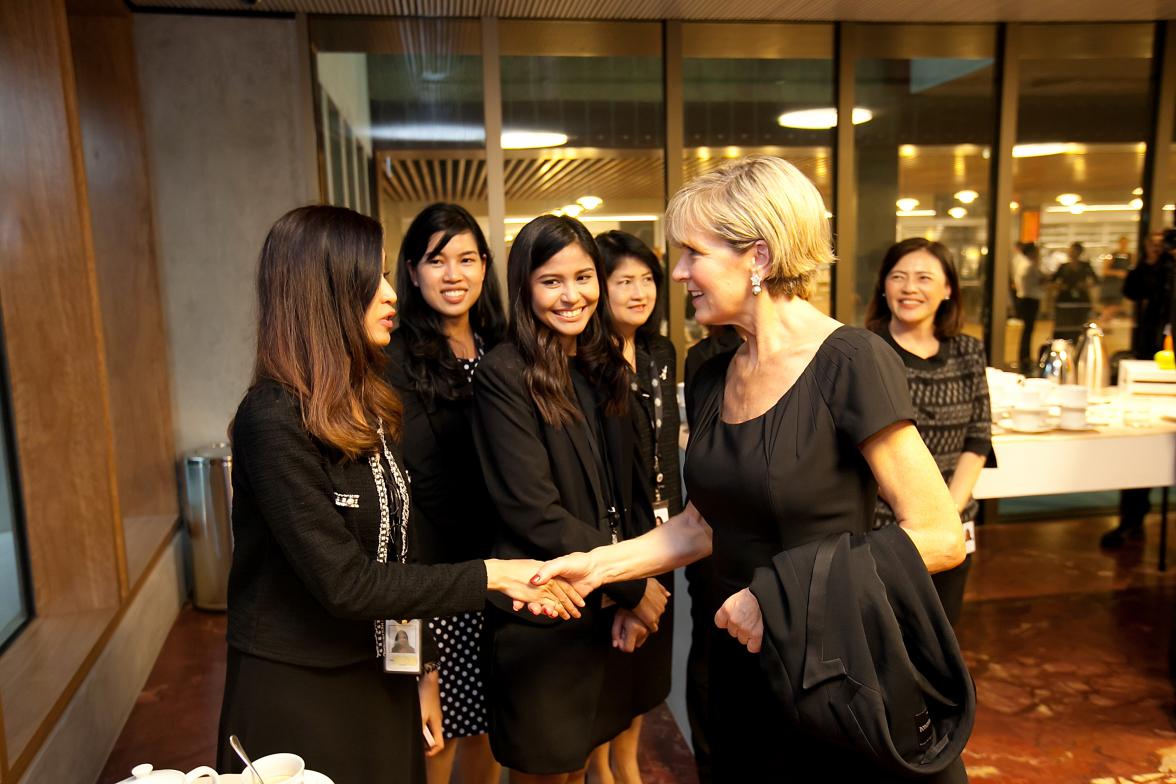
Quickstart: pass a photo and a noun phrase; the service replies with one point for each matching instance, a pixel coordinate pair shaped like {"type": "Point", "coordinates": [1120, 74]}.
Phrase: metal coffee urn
{"type": "Point", "coordinates": [208, 503]}
{"type": "Point", "coordinates": [1094, 372]}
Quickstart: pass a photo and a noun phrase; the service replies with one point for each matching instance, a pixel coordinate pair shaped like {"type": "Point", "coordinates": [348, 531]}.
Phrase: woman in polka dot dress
{"type": "Point", "coordinates": [450, 315]}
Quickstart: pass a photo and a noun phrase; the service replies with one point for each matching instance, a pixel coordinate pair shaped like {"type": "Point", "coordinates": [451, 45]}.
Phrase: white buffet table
{"type": "Point", "coordinates": [1108, 457]}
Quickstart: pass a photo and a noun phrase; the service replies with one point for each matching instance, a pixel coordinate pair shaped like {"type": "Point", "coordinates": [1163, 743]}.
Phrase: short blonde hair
{"type": "Point", "coordinates": [759, 197]}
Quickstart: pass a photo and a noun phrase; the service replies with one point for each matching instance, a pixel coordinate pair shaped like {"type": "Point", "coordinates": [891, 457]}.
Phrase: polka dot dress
{"type": "Point", "coordinates": [463, 698]}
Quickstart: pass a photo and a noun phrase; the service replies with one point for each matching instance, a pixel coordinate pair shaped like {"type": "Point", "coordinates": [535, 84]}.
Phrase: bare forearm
{"type": "Point", "coordinates": [684, 539]}
{"type": "Point", "coordinates": [963, 481]}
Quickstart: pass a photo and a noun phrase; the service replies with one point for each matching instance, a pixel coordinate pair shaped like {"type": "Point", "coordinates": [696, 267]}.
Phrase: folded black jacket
{"type": "Point", "coordinates": [860, 654]}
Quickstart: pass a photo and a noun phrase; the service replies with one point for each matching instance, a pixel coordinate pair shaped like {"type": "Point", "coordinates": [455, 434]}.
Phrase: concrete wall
{"type": "Point", "coordinates": [225, 103]}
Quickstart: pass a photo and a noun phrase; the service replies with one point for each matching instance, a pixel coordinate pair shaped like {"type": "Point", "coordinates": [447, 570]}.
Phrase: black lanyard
{"type": "Point", "coordinates": [600, 451]}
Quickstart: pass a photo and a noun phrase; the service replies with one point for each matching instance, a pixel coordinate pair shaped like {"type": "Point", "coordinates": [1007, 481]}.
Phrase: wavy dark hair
{"type": "Point", "coordinates": [319, 269]}
{"type": "Point", "coordinates": [598, 350]}
{"type": "Point", "coordinates": [949, 318]}
{"type": "Point", "coordinates": [615, 246]}
{"type": "Point", "coordinates": [431, 367]}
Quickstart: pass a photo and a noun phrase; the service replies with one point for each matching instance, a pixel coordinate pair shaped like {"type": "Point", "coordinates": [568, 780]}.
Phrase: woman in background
{"type": "Point", "coordinates": [450, 315]}
{"type": "Point", "coordinates": [321, 520]}
{"type": "Point", "coordinates": [556, 442]}
{"type": "Point", "coordinates": [916, 309]}
{"type": "Point", "coordinates": [634, 278]}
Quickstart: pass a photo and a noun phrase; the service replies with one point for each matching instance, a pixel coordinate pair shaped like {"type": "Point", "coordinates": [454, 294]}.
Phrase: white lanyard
{"type": "Point", "coordinates": [386, 517]}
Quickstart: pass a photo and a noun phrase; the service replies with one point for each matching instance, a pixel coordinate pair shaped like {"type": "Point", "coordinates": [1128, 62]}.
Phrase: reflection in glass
{"type": "Point", "coordinates": [583, 128]}
{"type": "Point", "coordinates": [922, 160]}
{"type": "Point", "coordinates": [15, 600]}
{"type": "Point", "coordinates": [759, 89]}
{"type": "Point", "coordinates": [1082, 116]}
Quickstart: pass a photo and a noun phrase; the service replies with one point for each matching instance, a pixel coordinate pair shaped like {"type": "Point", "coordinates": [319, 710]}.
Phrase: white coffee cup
{"type": "Point", "coordinates": [1029, 417]}
{"type": "Point", "coordinates": [1035, 392]}
{"type": "Point", "coordinates": [277, 769]}
{"type": "Point", "coordinates": [1073, 418]}
{"type": "Point", "coordinates": [1072, 396]}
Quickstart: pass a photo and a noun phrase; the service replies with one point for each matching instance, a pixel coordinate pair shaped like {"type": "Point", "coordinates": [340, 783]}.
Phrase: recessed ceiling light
{"type": "Point", "coordinates": [1137, 192]}
{"type": "Point", "coordinates": [820, 119]}
{"type": "Point", "coordinates": [957, 212]}
{"type": "Point", "coordinates": [1014, 205]}
{"type": "Point", "coordinates": [1068, 199]}
{"type": "Point", "coordinates": [529, 140]}
{"type": "Point", "coordinates": [589, 202]}
{"type": "Point", "coordinates": [906, 205]}
{"type": "Point", "coordinates": [915, 213]}
{"type": "Point", "coordinates": [968, 196]}
{"type": "Point", "coordinates": [572, 210]}
{"type": "Point", "coordinates": [1077, 209]}
{"type": "Point", "coordinates": [907, 151]}
{"type": "Point", "coordinates": [1044, 148]}
{"type": "Point", "coordinates": [1135, 204]}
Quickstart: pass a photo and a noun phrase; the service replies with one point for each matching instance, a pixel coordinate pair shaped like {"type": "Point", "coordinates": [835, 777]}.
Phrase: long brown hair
{"type": "Point", "coordinates": [598, 352]}
{"type": "Point", "coordinates": [949, 318]}
{"type": "Point", "coordinates": [320, 267]}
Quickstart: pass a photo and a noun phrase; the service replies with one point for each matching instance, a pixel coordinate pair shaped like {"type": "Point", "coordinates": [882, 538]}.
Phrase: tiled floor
{"type": "Point", "coordinates": [1068, 645]}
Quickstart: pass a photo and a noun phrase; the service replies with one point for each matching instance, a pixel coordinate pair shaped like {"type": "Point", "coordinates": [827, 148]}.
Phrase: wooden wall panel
{"type": "Point", "coordinates": [49, 301]}
{"type": "Point", "coordinates": [125, 257]}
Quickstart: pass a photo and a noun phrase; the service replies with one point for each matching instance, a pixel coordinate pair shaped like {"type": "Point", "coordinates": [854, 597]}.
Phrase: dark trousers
{"type": "Point", "coordinates": [1133, 507]}
{"type": "Point", "coordinates": [1027, 312]}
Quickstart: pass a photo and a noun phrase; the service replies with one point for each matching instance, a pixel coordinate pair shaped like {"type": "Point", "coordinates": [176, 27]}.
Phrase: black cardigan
{"type": "Point", "coordinates": [453, 515]}
{"type": "Point", "coordinates": [544, 479]}
{"type": "Point", "coordinates": [305, 586]}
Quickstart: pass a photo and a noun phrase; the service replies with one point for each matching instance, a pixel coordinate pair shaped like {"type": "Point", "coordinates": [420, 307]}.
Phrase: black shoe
{"type": "Point", "coordinates": [1117, 537]}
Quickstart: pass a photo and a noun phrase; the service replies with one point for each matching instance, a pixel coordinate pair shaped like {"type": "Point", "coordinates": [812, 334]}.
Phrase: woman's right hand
{"type": "Point", "coordinates": [649, 610]}
{"type": "Point", "coordinates": [556, 599]}
{"type": "Point", "coordinates": [628, 633]}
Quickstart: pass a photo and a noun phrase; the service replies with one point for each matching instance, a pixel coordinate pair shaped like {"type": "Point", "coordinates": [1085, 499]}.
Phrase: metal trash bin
{"type": "Point", "coordinates": [208, 503]}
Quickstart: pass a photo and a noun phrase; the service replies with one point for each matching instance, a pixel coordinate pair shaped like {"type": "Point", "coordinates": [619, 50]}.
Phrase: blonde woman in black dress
{"type": "Point", "coordinates": [793, 436]}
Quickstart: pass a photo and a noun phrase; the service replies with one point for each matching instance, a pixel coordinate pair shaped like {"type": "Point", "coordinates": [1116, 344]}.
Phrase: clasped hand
{"type": "Point", "coordinates": [556, 598]}
{"type": "Point", "coordinates": [740, 616]}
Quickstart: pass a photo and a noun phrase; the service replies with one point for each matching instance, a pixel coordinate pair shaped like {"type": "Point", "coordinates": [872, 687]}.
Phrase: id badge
{"type": "Point", "coordinates": [661, 512]}
{"type": "Point", "coordinates": [970, 537]}
{"type": "Point", "coordinates": [402, 647]}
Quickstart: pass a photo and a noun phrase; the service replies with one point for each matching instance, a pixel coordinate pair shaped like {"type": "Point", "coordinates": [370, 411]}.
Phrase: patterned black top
{"type": "Point", "coordinates": [950, 393]}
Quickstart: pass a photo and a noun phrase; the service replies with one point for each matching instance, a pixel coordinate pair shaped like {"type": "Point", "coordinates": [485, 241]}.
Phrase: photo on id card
{"type": "Point", "coordinates": [402, 647]}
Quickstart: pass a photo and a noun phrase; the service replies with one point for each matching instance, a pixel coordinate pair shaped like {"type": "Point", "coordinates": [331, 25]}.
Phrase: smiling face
{"type": "Point", "coordinates": [450, 278]}
{"type": "Point", "coordinates": [915, 287]}
{"type": "Point", "coordinates": [632, 294]}
{"type": "Point", "coordinates": [564, 293]}
{"type": "Point", "coordinates": [717, 277]}
{"type": "Point", "coordinates": [379, 317]}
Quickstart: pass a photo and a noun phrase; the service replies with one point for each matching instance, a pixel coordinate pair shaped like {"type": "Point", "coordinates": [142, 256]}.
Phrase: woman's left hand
{"type": "Point", "coordinates": [740, 616]}
{"type": "Point", "coordinates": [429, 689]}
{"type": "Point", "coordinates": [628, 632]}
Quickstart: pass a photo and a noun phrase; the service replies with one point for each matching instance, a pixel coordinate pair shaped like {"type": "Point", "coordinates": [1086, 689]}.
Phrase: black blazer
{"type": "Point", "coordinates": [454, 519]}
{"type": "Point", "coordinates": [544, 480]}
{"type": "Point", "coordinates": [861, 655]}
{"type": "Point", "coordinates": [305, 586]}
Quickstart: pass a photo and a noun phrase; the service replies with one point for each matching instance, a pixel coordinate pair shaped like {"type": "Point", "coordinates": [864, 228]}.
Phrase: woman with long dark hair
{"type": "Point", "coordinates": [557, 449]}
{"type": "Point", "coordinates": [634, 278]}
{"type": "Point", "coordinates": [916, 308]}
{"type": "Point", "coordinates": [321, 514]}
{"type": "Point", "coordinates": [450, 315]}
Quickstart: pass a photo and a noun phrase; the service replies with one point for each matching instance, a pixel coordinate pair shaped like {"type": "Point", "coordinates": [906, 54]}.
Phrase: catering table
{"type": "Point", "coordinates": [1106, 457]}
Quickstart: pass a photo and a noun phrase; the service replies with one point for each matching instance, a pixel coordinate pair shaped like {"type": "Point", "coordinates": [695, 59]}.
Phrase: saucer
{"type": "Point", "coordinates": [1008, 425]}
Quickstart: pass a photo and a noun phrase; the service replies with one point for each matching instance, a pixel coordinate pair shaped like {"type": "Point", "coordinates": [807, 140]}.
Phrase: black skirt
{"type": "Point", "coordinates": [353, 724]}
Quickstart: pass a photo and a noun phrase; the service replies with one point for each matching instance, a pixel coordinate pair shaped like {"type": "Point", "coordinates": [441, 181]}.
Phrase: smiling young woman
{"type": "Point", "coordinates": [557, 449]}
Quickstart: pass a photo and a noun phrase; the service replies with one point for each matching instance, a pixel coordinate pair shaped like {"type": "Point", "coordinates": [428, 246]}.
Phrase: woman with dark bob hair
{"type": "Point", "coordinates": [559, 456]}
{"type": "Point", "coordinates": [450, 315]}
{"type": "Point", "coordinates": [321, 515]}
{"type": "Point", "coordinates": [917, 309]}
{"type": "Point", "coordinates": [634, 277]}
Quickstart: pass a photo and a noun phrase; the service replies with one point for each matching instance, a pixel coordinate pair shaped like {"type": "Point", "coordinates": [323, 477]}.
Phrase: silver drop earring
{"type": "Point", "coordinates": [756, 280]}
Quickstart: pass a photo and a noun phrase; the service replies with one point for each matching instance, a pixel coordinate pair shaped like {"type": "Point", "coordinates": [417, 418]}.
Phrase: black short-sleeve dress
{"type": "Point", "coordinates": [789, 476]}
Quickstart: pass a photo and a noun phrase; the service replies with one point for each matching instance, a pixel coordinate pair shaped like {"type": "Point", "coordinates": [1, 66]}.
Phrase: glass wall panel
{"type": "Point", "coordinates": [924, 118]}
{"type": "Point", "coordinates": [759, 88]}
{"type": "Point", "coordinates": [583, 119]}
{"type": "Point", "coordinates": [1082, 117]}
{"type": "Point", "coordinates": [408, 92]}
{"type": "Point", "coordinates": [15, 599]}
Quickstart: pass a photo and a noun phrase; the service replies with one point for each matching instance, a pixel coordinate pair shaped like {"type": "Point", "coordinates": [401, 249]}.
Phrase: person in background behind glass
{"type": "Point", "coordinates": [1074, 280]}
{"type": "Point", "coordinates": [1114, 274]}
{"type": "Point", "coordinates": [450, 315]}
{"type": "Point", "coordinates": [1027, 279]}
{"type": "Point", "coordinates": [915, 308]}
